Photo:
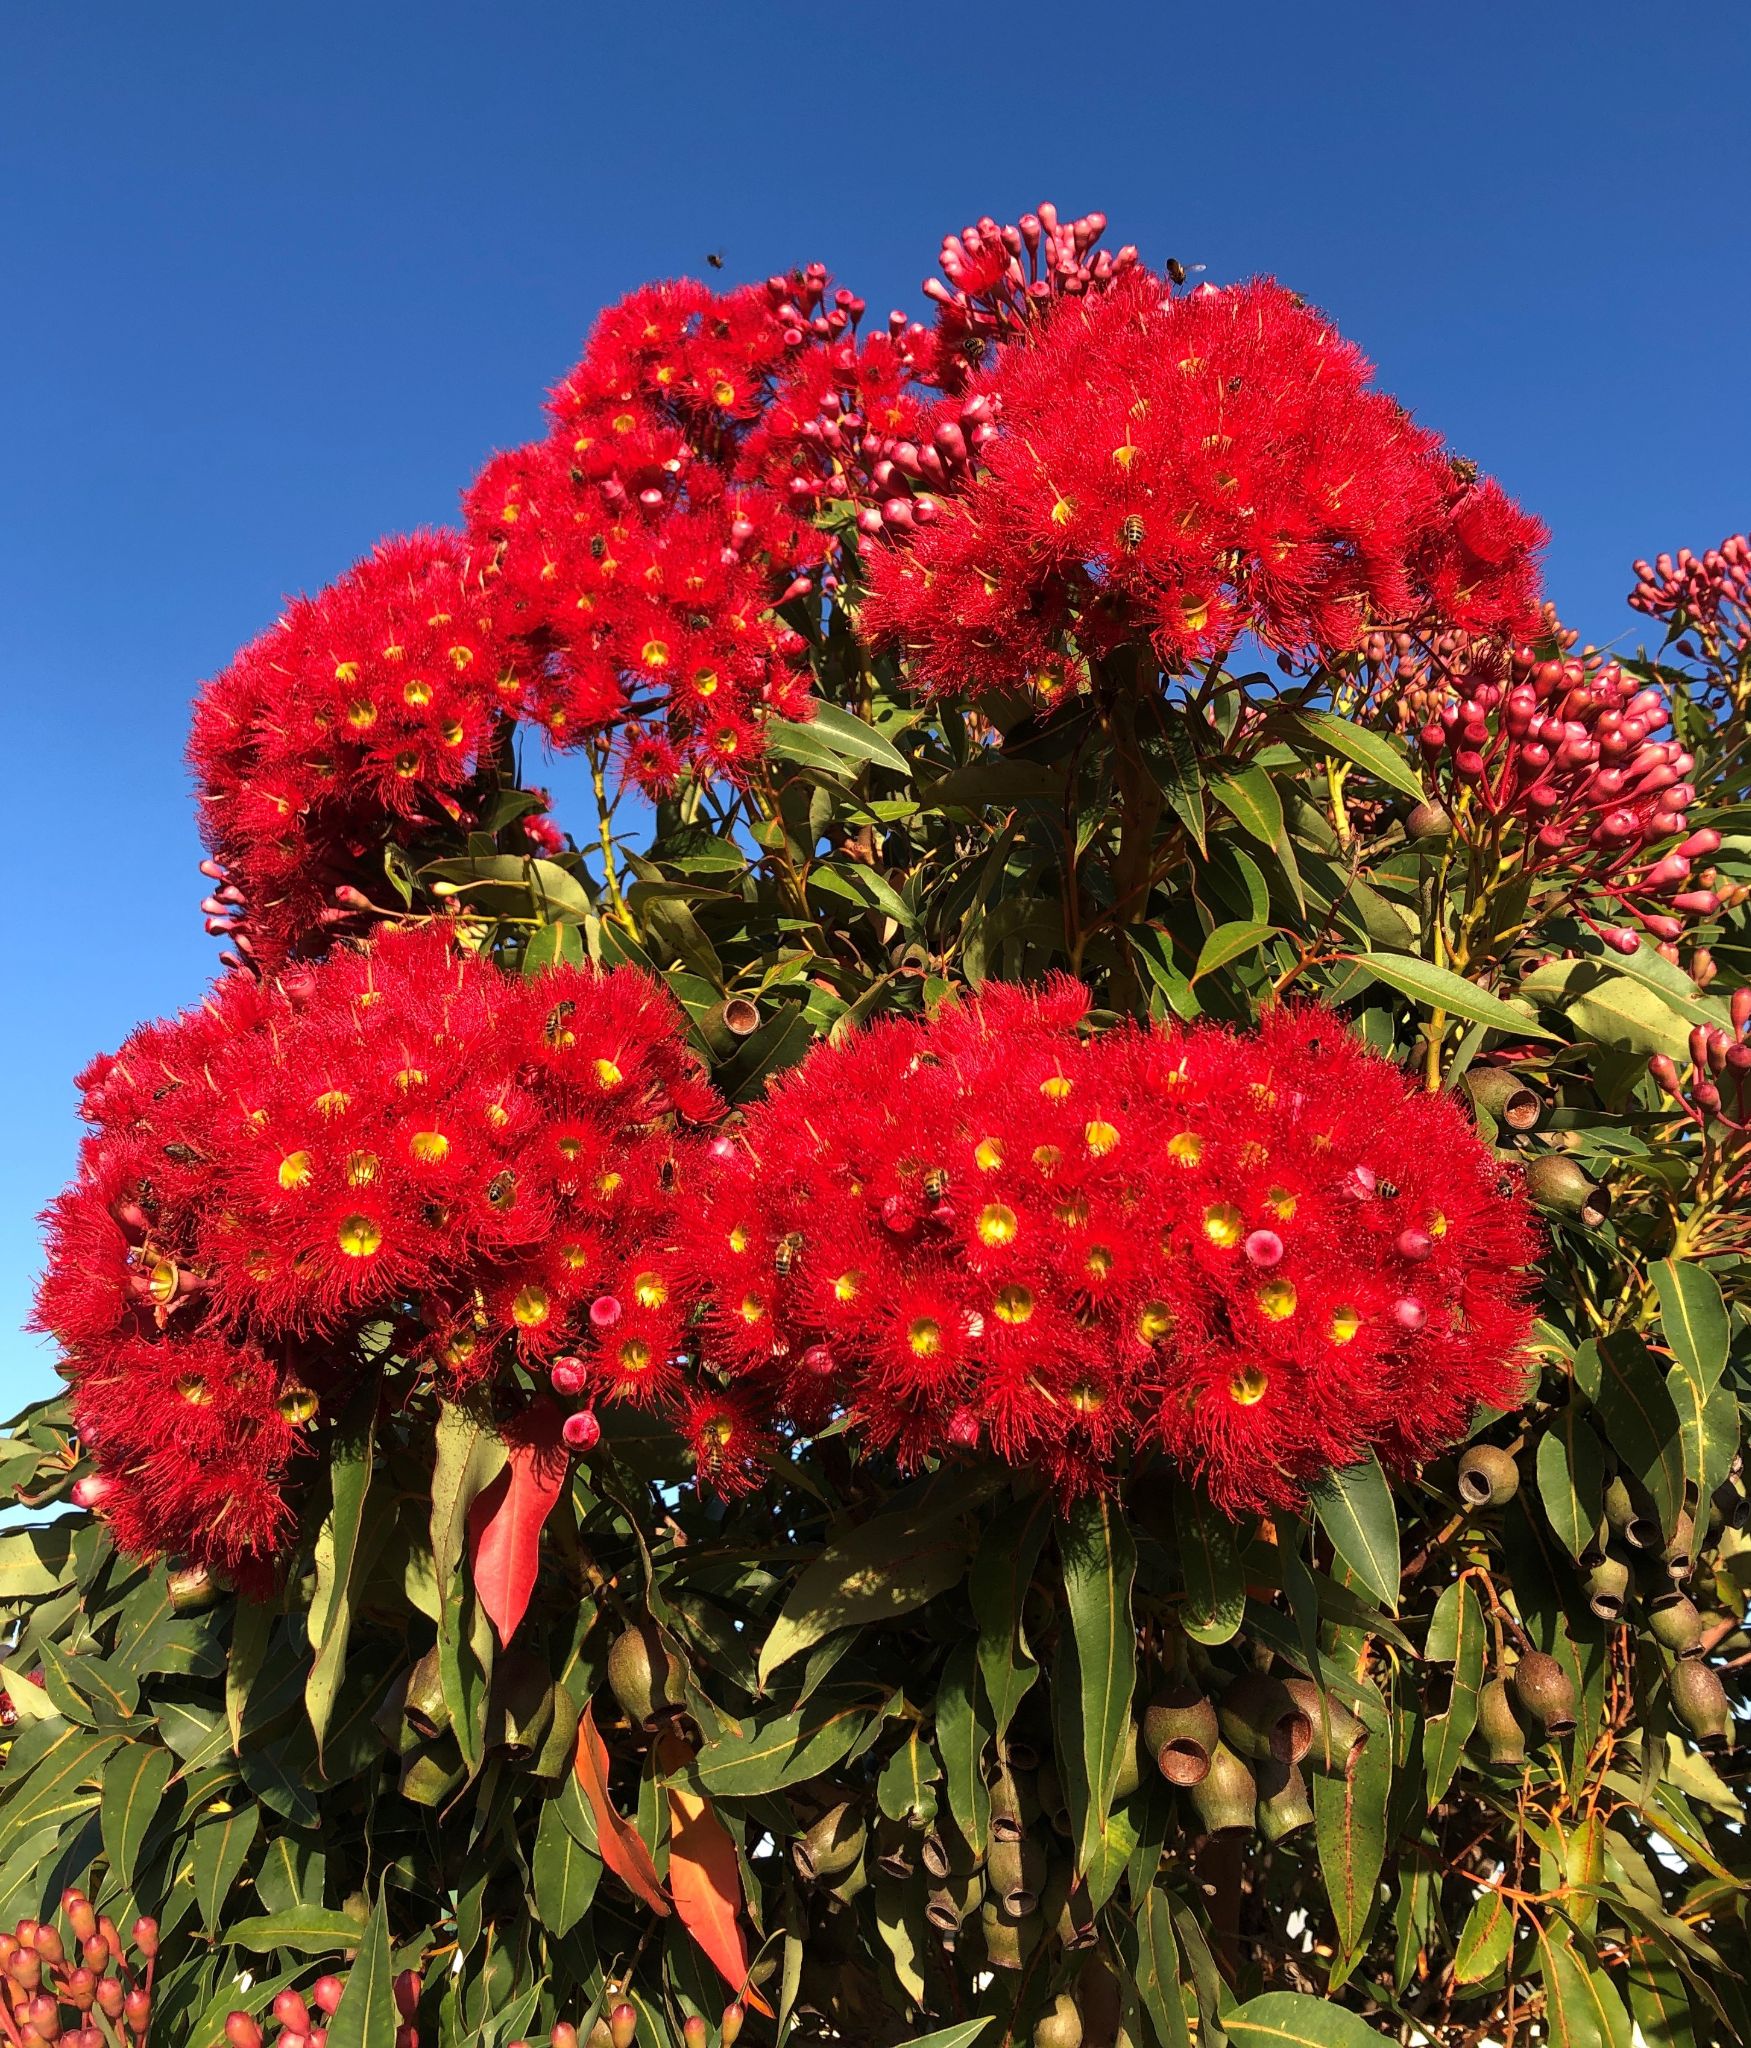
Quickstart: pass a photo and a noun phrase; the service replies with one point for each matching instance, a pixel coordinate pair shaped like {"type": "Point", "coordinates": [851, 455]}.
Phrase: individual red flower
{"type": "Point", "coordinates": [1263, 1251]}
{"type": "Point", "coordinates": [401, 1147]}
{"type": "Point", "coordinates": [1177, 471]}
{"type": "Point", "coordinates": [362, 716]}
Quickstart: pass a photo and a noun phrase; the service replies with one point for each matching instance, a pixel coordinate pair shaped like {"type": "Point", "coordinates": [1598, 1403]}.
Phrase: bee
{"type": "Point", "coordinates": [554, 1027]}
{"type": "Point", "coordinates": [716, 259]}
{"type": "Point", "coordinates": [1464, 470]}
{"type": "Point", "coordinates": [1176, 270]}
{"type": "Point", "coordinates": [501, 1190]}
{"type": "Point", "coordinates": [598, 547]}
{"type": "Point", "coordinates": [936, 1183]}
{"type": "Point", "coordinates": [666, 1173]}
{"type": "Point", "coordinates": [1389, 1189]}
{"type": "Point", "coordinates": [787, 1254]}
{"type": "Point", "coordinates": [1131, 533]}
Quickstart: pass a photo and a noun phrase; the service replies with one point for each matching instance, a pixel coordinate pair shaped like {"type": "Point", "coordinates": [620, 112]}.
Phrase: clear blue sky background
{"type": "Point", "coordinates": [278, 277]}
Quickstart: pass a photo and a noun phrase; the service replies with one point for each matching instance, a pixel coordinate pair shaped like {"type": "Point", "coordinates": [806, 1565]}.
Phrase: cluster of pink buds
{"type": "Point", "coordinates": [905, 474]}
{"type": "Point", "coordinates": [1565, 749]}
{"type": "Point", "coordinates": [801, 304]}
{"type": "Point", "coordinates": [989, 296]}
{"type": "Point", "coordinates": [78, 1991]}
{"type": "Point", "coordinates": [303, 2022]}
{"type": "Point", "coordinates": [618, 2028]}
{"type": "Point", "coordinates": [1717, 1088]}
{"type": "Point", "coordinates": [1709, 593]}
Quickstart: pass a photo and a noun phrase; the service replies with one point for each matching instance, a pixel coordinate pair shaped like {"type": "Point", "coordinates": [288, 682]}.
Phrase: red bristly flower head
{"type": "Point", "coordinates": [1263, 1252]}
{"type": "Point", "coordinates": [401, 1139]}
{"type": "Point", "coordinates": [1177, 471]}
{"type": "Point", "coordinates": [360, 717]}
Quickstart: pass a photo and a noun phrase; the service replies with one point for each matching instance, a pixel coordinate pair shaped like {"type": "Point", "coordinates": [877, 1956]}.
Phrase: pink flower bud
{"type": "Point", "coordinates": [581, 1430]}
{"type": "Point", "coordinates": [1264, 1248]}
{"type": "Point", "coordinates": [605, 1311]}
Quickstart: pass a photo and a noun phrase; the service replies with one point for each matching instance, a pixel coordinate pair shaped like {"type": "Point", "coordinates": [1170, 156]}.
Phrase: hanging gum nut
{"type": "Point", "coordinates": [1632, 1519]}
{"type": "Point", "coordinates": [1488, 1476]}
{"type": "Point", "coordinates": [1226, 1798]}
{"type": "Point", "coordinates": [1544, 1692]}
{"type": "Point", "coordinates": [646, 1676]}
{"type": "Point", "coordinates": [425, 1707]}
{"type": "Point", "coordinates": [1008, 1941]}
{"type": "Point", "coordinates": [1499, 1725]}
{"type": "Point", "coordinates": [1013, 1805]}
{"type": "Point", "coordinates": [831, 1847]}
{"type": "Point", "coordinates": [1700, 1702]}
{"type": "Point", "coordinates": [1180, 1730]}
{"type": "Point", "coordinates": [1608, 1589]}
{"type": "Point", "coordinates": [1336, 1731]}
{"type": "Point", "coordinates": [1283, 1804]}
{"type": "Point", "coordinates": [1675, 1625]}
{"type": "Point", "coordinates": [1259, 1718]}
{"type": "Point", "coordinates": [1559, 1187]}
{"type": "Point", "coordinates": [1504, 1098]}
{"type": "Point", "coordinates": [1014, 1872]}
{"type": "Point", "coordinates": [1050, 1788]}
{"type": "Point", "coordinates": [1680, 1551]}
{"type": "Point", "coordinates": [950, 1900]}
{"type": "Point", "coordinates": [1061, 2027]}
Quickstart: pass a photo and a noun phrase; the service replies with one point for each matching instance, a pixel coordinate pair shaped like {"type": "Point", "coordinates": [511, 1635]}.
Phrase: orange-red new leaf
{"type": "Point", "coordinates": [505, 1522]}
{"type": "Point", "coordinates": [619, 1843]}
{"type": "Point", "coordinates": [705, 1880]}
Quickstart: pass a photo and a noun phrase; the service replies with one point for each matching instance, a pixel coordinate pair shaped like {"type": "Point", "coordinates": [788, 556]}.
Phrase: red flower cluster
{"type": "Point", "coordinates": [401, 1147]}
{"type": "Point", "coordinates": [362, 715]}
{"type": "Point", "coordinates": [1263, 1253]}
{"type": "Point", "coordinates": [1182, 470]}
{"type": "Point", "coordinates": [634, 552]}
{"type": "Point", "coordinates": [1562, 749]}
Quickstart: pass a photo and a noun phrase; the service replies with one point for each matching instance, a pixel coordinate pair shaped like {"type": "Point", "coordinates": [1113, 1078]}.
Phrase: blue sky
{"type": "Point", "coordinates": [279, 278]}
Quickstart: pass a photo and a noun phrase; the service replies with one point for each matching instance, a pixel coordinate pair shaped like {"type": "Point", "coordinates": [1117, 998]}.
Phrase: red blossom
{"type": "Point", "coordinates": [402, 1137]}
{"type": "Point", "coordinates": [1263, 1252]}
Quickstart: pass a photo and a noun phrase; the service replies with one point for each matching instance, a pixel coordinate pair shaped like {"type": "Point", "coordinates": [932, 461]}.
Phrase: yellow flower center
{"type": "Point", "coordinates": [1100, 1138]}
{"type": "Point", "coordinates": [1247, 1388]}
{"type": "Point", "coordinates": [1276, 1299]}
{"type": "Point", "coordinates": [332, 1101]}
{"type": "Point", "coordinates": [753, 1308]}
{"type": "Point", "coordinates": [1055, 1087]}
{"type": "Point", "coordinates": [997, 1224]}
{"type": "Point", "coordinates": [574, 1256]}
{"type": "Point", "coordinates": [1186, 1147]}
{"type": "Point", "coordinates": [530, 1306]}
{"type": "Point", "coordinates": [607, 1074]}
{"type": "Point", "coordinates": [988, 1155]}
{"type": "Point", "coordinates": [650, 1290]}
{"type": "Point", "coordinates": [847, 1286]}
{"type": "Point", "coordinates": [1099, 1262]}
{"type": "Point", "coordinates": [361, 1169]}
{"type": "Point", "coordinates": [294, 1170]}
{"type": "Point", "coordinates": [925, 1337]}
{"type": "Point", "coordinates": [1014, 1303]}
{"type": "Point", "coordinates": [1155, 1321]}
{"type": "Point", "coordinates": [360, 1237]}
{"type": "Point", "coordinates": [429, 1147]}
{"type": "Point", "coordinates": [1282, 1203]}
{"type": "Point", "coordinates": [738, 1239]}
{"type": "Point", "coordinates": [1224, 1224]}
{"type": "Point", "coordinates": [1345, 1323]}
{"type": "Point", "coordinates": [635, 1355]}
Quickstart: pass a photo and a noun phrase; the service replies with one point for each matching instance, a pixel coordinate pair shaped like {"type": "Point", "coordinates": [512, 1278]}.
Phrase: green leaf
{"type": "Point", "coordinates": [1485, 1938]}
{"type": "Point", "coordinates": [1659, 2002]}
{"type": "Point", "coordinates": [1292, 2019]}
{"type": "Point", "coordinates": [1251, 799]}
{"type": "Point", "coordinates": [906, 1789]}
{"type": "Point", "coordinates": [1371, 752]}
{"type": "Point", "coordinates": [962, 2036]}
{"type": "Point", "coordinates": [1641, 1421]}
{"type": "Point", "coordinates": [1693, 1320]}
{"type": "Point", "coordinates": [1209, 1546]}
{"type": "Point", "coordinates": [1582, 2009]}
{"type": "Point", "coordinates": [34, 1561]}
{"type": "Point", "coordinates": [337, 1549]}
{"type": "Point", "coordinates": [1355, 1510]}
{"type": "Point", "coordinates": [1099, 1560]}
{"type": "Point", "coordinates": [1158, 1971]}
{"type": "Point", "coordinates": [961, 1737]}
{"type": "Point", "coordinates": [1708, 1431]}
{"type": "Point", "coordinates": [1230, 942]}
{"type": "Point", "coordinates": [305, 1930]}
{"type": "Point", "coordinates": [133, 1792]}
{"type": "Point", "coordinates": [565, 1873]}
{"type": "Point", "coordinates": [1628, 1016]}
{"type": "Point", "coordinates": [765, 1756]}
{"type": "Point", "coordinates": [252, 1624]}
{"type": "Point", "coordinates": [1349, 1814]}
{"type": "Point", "coordinates": [366, 2016]}
{"type": "Point", "coordinates": [468, 1456]}
{"type": "Point", "coordinates": [849, 735]}
{"type": "Point", "coordinates": [1441, 989]}
{"type": "Point", "coordinates": [218, 1851]}
{"type": "Point", "coordinates": [1459, 1618]}
{"type": "Point", "coordinates": [46, 1773]}
{"type": "Point", "coordinates": [998, 1586]}
{"type": "Point", "coordinates": [871, 1573]}
{"type": "Point", "coordinates": [1571, 1478]}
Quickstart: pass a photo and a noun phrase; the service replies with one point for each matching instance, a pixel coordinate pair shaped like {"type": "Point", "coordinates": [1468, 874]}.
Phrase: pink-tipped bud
{"type": "Point", "coordinates": [1414, 1244]}
{"type": "Point", "coordinates": [291, 2011]}
{"type": "Point", "coordinates": [91, 1491]}
{"type": "Point", "coordinates": [327, 1994]}
{"type": "Point", "coordinates": [623, 2025]}
{"type": "Point", "coordinates": [1264, 1247]}
{"type": "Point", "coordinates": [729, 2028]}
{"type": "Point", "coordinates": [582, 1432]}
{"type": "Point", "coordinates": [604, 1312]}
{"type": "Point", "coordinates": [407, 1993]}
{"type": "Point", "coordinates": [242, 2031]}
{"type": "Point", "coordinates": [963, 1429]}
{"type": "Point", "coordinates": [567, 1375]}
{"type": "Point", "coordinates": [1409, 1314]}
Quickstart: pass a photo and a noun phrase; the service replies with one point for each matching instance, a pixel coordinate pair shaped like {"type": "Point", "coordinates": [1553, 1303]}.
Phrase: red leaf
{"type": "Point", "coordinates": [706, 1878]}
{"type": "Point", "coordinates": [504, 1524]}
{"type": "Point", "coordinates": [621, 1847]}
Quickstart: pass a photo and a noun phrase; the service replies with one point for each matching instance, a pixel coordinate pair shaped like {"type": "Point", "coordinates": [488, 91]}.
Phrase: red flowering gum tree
{"type": "Point", "coordinates": [1048, 1347]}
